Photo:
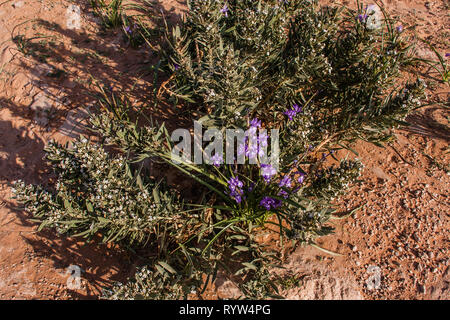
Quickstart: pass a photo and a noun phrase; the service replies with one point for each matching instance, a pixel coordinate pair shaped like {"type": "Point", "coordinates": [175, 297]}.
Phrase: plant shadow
{"type": "Point", "coordinates": [425, 123]}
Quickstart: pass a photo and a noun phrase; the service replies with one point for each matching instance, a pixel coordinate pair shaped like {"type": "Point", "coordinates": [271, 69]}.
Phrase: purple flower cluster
{"type": "Point", "coordinates": [255, 123]}
{"type": "Point", "coordinates": [399, 29]}
{"type": "Point", "coordinates": [235, 186]}
{"type": "Point", "coordinates": [217, 160]}
{"type": "Point", "coordinates": [270, 203]}
{"type": "Point", "coordinates": [262, 139]}
{"type": "Point", "coordinates": [235, 183]}
{"type": "Point", "coordinates": [267, 172]}
{"type": "Point", "coordinates": [291, 113]}
{"type": "Point", "coordinates": [251, 150]}
{"type": "Point", "coordinates": [285, 182]}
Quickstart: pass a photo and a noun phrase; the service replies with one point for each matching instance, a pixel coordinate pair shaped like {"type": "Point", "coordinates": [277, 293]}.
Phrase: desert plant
{"type": "Point", "coordinates": [444, 70]}
{"type": "Point", "coordinates": [322, 76]}
{"type": "Point", "coordinates": [96, 194]}
{"type": "Point", "coordinates": [110, 12]}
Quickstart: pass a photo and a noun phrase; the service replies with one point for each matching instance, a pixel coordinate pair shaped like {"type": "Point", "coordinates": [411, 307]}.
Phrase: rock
{"type": "Point", "coordinates": [42, 106]}
{"type": "Point", "coordinates": [227, 289]}
{"type": "Point", "coordinates": [73, 16]}
{"type": "Point", "coordinates": [380, 173]}
{"type": "Point", "coordinates": [18, 4]}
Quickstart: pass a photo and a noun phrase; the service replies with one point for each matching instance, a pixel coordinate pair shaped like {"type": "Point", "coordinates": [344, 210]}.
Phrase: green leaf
{"type": "Point", "coordinates": [156, 197]}
{"type": "Point", "coordinates": [89, 206]}
{"type": "Point", "coordinates": [167, 267]}
{"type": "Point", "coordinates": [242, 248]}
{"type": "Point", "coordinates": [250, 266]}
{"type": "Point", "coordinates": [67, 204]}
{"type": "Point", "coordinates": [103, 220]}
{"type": "Point", "coordinates": [139, 182]}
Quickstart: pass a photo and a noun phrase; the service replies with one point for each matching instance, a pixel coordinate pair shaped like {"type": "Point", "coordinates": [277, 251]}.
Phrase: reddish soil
{"type": "Point", "coordinates": [402, 229]}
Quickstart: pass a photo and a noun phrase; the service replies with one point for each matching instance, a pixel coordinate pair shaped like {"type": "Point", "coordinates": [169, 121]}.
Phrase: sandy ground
{"type": "Point", "coordinates": [396, 247]}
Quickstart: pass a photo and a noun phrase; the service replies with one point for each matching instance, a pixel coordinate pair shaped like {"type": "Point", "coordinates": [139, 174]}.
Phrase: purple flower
{"type": "Point", "coordinates": [267, 172]}
{"type": "Point", "coordinates": [225, 10]}
{"type": "Point", "coordinates": [285, 182]}
{"type": "Point", "coordinates": [176, 67]}
{"type": "Point", "coordinates": [252, 152]}
{"type": "Point", "coordinates": [243, 147]}
{"type": "Point", "coordinates": [250, 146]}
{"type": "Point", "coordinates": [399, 29]}
{"type": "Point", "coordinates": [283, 194]}
{"type": "Point", "coordinates": [297, 108]}
{"type": "Point", "coordinates": [262, 139]}
{"type": "Point", "coordinates": [251, 134]}
{"type": "Point", "coordinates": [236, 195]}
{"type": "Point", "coordinates": [262, 143]}
{"type": "Point", "coordinates": [291, 113]}
{"type": "Point", "coordinates": [270, 203]}
{"type": "Point", "coordinates": [235, 186]}
{"type": "Point", "coordinates": [362, 17]}
{"type": "Point", "coordinates": [255, 123]}
{"type": "Point", "coordinates": [447, 55]}
{"type": "Point", "coordinates": [217, 160]}
{"type": "Point", "coordinates": [235, 183]}
{"type": "Point", "coordinates": [128, 30]}
{"type": "Point", "coordinates": [301, 179]}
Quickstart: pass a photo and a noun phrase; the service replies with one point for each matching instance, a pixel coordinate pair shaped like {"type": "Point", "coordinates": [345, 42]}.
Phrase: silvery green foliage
{"type": "Point", "coordinates": [152, 284]}
{"type": "Point", "coordinates": [96, 194]}
{"type": "Point", "coordinates": [218, 54]}
{"type": "Point", "coordinates": [333, 181]}
{"type": "Point", "coordinates": [128, 135]}
{"type": "Point", "coordinates": [320, 75]}
{"type": "Point", "coordinates": [258, 58]}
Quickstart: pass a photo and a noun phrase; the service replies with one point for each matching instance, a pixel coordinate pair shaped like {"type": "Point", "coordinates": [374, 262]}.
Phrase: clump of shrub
{"type": "Point", "coordinates": [155, 285]}
{"type": "Point", "coordinates": [323, 76]}
{"type": "Point", "coordinates": [115, 13]}
{"type": "Point", "coordinates": [97, 194]}
{"type": "Point", "coordinates": [110, 12]}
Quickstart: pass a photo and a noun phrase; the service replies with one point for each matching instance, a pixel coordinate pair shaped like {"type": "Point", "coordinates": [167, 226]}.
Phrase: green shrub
{"type": "Point", "coordinates": [111, 12]}
{"type": "Point", "coordinates": [96, 194]}
{"type": "Point", "coordinates": [323, 76]}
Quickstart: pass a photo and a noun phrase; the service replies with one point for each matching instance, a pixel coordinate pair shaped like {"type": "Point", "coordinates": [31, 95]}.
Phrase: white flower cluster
{"type": "Point", "coordinates": [148, 285]}
{"type": "Point", "coordinates": [92, 185]}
